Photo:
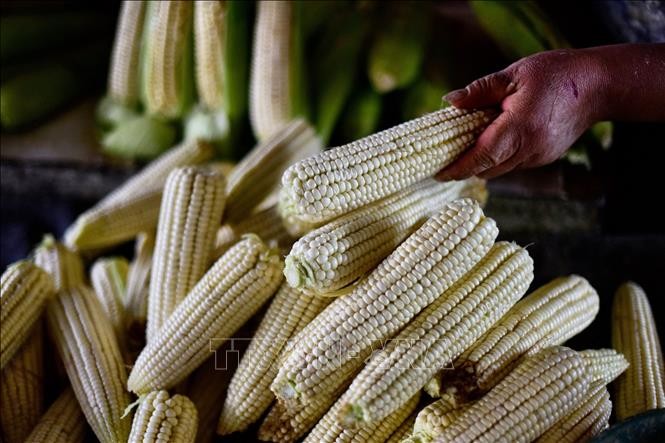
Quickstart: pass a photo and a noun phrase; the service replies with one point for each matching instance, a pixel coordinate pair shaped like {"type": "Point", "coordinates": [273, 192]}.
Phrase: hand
{"type": "Point", "coordinates": [547, 100]}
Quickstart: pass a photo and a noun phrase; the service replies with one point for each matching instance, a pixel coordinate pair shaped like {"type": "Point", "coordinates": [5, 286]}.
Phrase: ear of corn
{"type": "Point", "coordinates": [88, 347]}
{"type": "Point", "coordinates": [109, 280]}
{"type": "Point", "coordinates": [276, 91]}
{"type": "Point", "coordinates": [439, 334]}
{"type": "Point", "coordinates": [329, 430]}
{"type": "Point", "coordinates": [589, 419]}
{"type": "Point", "coordinates": [266, 223]}
{"type": "Point", "coordinates": [209, 39]}
{"type": "Point", "coordinates": [539, 392]}
{"type": "Point", "coordinates": [291, 220]}
{"type": "Point", "coordinates": [249, 392]}
{"type": "Point", "coordinates": [259, 172]}
{"type": "Point", "coordinates": [160, 418]}
{"type": "Point", "coordinates": [339, 180]}
{"type": "Point", "coordinates": [230, 292]}
{"type": "Point", "coordinates": [61, 263]}
{"type": "Point", "coordinates": [22, 390]}
{"type": "Point", "coordinates": [25, 289]}
{"type": "Point", "coordinates": [189, 217]}
{"type": "Point", "coordinates": [423, 267]}
{"type": "Point", "coordinates": [63, 422]}
{"type": "Point", "coordinates": [634, 335]}
{"type": "Point", "coordinates": [123, 82]}
{"type": "Point", "coordinates": [560, 309]}
{"type": "Point", "coordinates": [340, 252]}
{"type": "Point", "coordinates": [404, 430]}
{"type": "Point", "coordinates": [605, 365]}
{"type": "Point", "coordinates": [167, 59]}
{"type": "Point", "coordinates": [134, 206]}
{"type": "Point", "coordinates": [138, 283]}
{"type": "Point", "coordinates": [435, 417]}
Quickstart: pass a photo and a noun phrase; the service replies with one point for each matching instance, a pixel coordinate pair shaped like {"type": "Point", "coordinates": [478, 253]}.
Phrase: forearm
{"type": "Point", "coordinates": [630, 81]}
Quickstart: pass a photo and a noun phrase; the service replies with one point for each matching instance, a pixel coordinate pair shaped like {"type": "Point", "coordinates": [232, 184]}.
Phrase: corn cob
{"type": "Point", "coordinates": [435, 417]}
{"type": "Point", "coordinates": [134, 206]}
{"type": "Point", "coordinates": [209, 36]}
{"type": "Point", "coordinates": [276, 84]}
{"type": "Point", "coordinates": [422, 268]}
{"type": "Point", "coordinates": [605, 365]}
{"type": "Point", "coordinates": [589, 419]}
{"type": "Point", "coordinates": [259, 172]}
{"type": "Point", "coordinates": [190, 214]}
{"type": "Point", "coordinates": [138, 283]}
{"type": "Point", "coordinates": [338, 253]}
{"type": "Point", "coordinates": [402, 37]}
{"type": "Point", "coordinates": [63, 422]}
{"type": "Point", "coordinates": [25, 289]}
{"type": "Point", "coordinates": [404, 430]}
{"type": "Point", "coordinates": [634, 334]}
{"type": "Point", "coordinates": [330, 430]}
{"type": "Point", "coordinates": [166, 58]}
{"type": "Point", "coordinates": [539, 392]}
{"type": "Point", "coordinates": [88, 347]}
{"type": "Point", "coordinates": [267, 224]}
{"type": "Point", "coordinates": [339, 180]}
{"type": "Point", "coordinates": [560, 309]}
{"type": "Point", "coordinates": [283, 426]}
{"type": "Point", "coordinates": [109, 280]}
{"type": "Point", "coordinates": [22, 390]}
{"type": "Point", "coordinates": [288, 211]}
{"type": "Point", "coordinates": [439, 334]}
{"type": "Point", "coordinates": [123, 83]}
{"type": "Point", "coordinates": [62, 264]}
{"type": "Point", "coordinates": [232, 290]}
{"type": "Point", "coordinates": [161, 418]}
{"type": "Point", "coordinates": [225, 167]}
{"type": "Point", "coordinates": [249, 392]}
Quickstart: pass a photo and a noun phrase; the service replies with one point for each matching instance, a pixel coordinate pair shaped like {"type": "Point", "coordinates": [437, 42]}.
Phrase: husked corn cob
{"type": "Point", "coordinates": [123, 83]}
{"type": "Point", "coordinates": [605, 365]}
{"type": "Point", "coordinates": [109, 280]}
{"type": "Point", "coordinates": [329, 430]}
{"type": "Point", "coordinates": [134, 206]}
{"type": "Point", "coordinates": [63, 422]}
{"type": "Point", "coordinates": [167, 76]}
{"type": "Point", "coordinates": [209, 36]}
{"type": "Point", "coordinates": [295, 226]}
{"type": "Point", "coordinates": [435, 417]}
{"type": "Point", "coordinates": [589, 419]}
{"type": "Point", "coordinates": [138, 281]}
{"type": "Point", "coordinates": [249, 393]}
{"type": "Point", "coordinates": [634, 334]}
{"type": "Point", "coordinates": [266, 223]}
{"type": "Point", "coordinates": [25, 289]}
{"type": "Point", "coordinates": [230, 292]}
{"type": "Point", "coordinates": [276, 83]}
{"type": "Point", "coordinates": [548, 316]}
{"type": "Point", "coordinates": [253, 179]}
{"type": "Point", "coordinates": [61, 263]}
{"type": "Point", "coordinates": [22, 390]}
{"type": "Point", "coordinates": [189, 217]}
{"type": "Point", "coordinates": [439, 334]}
{"type": "Point", "coordinates": [404, 430]}
{"type": "Point", "coordinates": [422, 268]}
{"type": "Point", "coordinates": [88, 347]}
{"type": "Point", "coordinates": [284, 426]}
{"type": "Point", "coordinates": [160, 418]}
{"type": "Point", "coordinates": [342, 179]}
{"type": "Point", "coordinates": [340, 252]}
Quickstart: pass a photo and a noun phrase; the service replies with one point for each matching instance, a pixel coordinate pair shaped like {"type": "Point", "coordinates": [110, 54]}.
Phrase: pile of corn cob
{"type": "Point", "coordinates": [380, 283]}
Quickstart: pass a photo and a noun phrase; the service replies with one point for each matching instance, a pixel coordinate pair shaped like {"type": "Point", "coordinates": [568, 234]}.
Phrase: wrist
{"type": "Point", "coordinates": [593, 71]}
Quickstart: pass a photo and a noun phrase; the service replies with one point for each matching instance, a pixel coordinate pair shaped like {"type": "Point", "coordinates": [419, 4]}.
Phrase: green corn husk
{"type": "Point", "coordinates": [315, 13]}
{"type": "Point", "coordinates": [335, 71]}
{"type": "Point", "coordinates": [396, 55]}
{"type": "Point", "coordinates": [361, 116]}
{"type": "Point", "coordinates": [110, 113]}
{"type": "Point", "coordinates": [139, 138]}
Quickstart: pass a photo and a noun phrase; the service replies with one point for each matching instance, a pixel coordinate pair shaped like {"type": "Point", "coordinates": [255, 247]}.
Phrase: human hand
{"type": "Point", "coordinates": [547, 100]}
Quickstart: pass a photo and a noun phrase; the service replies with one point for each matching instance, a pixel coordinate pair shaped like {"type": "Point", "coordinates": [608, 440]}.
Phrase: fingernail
{"type": "Point", "coordinates": [456, 95]}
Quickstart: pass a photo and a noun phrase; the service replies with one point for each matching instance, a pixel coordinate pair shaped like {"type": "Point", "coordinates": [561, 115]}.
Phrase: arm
{"type": "Point", "coordinates": [549, 99]}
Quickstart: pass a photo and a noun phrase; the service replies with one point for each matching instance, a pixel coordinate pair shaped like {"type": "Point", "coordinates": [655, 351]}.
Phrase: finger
{"type": "Point", "coordinates": [487, 91]}
{"type": "Point", "coordinates": [498, 143]}
{"type": "Point", "coordinates": [510, 165]}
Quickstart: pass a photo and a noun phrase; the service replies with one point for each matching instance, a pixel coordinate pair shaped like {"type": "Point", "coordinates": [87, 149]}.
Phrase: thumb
{"type": "Point", "coordinates": [486, 91]}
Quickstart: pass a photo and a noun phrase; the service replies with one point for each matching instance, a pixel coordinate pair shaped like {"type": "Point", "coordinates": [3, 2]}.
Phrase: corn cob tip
{"type": "Point", "coordinates": [296, 272]}
{"type": "Point", "coordinates": [352, 415]}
